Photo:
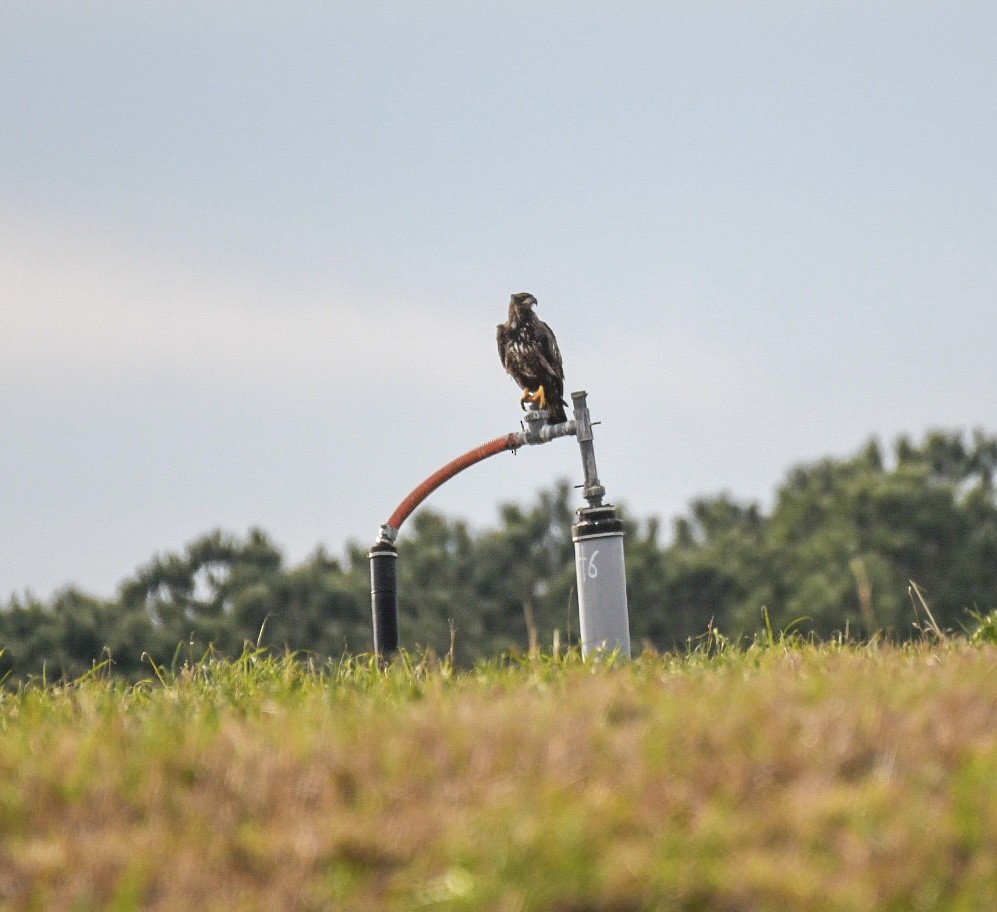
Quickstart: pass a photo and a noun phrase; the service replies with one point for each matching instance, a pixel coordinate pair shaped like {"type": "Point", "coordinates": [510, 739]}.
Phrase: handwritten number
{"type": "Point", "coordinates": [589, 567]}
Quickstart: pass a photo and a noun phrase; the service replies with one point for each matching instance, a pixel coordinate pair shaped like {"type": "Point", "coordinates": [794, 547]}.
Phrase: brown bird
{"type": "Point", "coordinates": [531, 357]}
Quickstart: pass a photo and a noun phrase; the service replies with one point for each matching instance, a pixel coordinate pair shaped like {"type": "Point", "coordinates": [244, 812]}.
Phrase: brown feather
{"type": "Point", "coordinates": [529, 353]}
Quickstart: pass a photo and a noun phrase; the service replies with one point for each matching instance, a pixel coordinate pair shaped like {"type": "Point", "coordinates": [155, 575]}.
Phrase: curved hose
{"type": "Point", "coordinates": [498, 445]}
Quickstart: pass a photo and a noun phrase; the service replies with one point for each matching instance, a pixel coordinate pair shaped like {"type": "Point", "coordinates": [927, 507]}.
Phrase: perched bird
{"type": "Point", "coordinates": [531, 357]}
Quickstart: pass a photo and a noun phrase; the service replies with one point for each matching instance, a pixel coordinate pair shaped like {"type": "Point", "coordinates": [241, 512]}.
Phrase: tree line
{"type": "Point", "coordinates": [835, 555]}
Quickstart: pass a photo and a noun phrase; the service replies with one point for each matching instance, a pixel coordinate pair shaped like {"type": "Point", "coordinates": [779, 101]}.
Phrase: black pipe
{"type": "Point", "coordinates": [384, 597]}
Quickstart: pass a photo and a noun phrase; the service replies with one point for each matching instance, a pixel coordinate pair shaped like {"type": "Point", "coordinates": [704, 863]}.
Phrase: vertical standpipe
{"type": "Point", "coordinates": [602, 581]}
{"type": "Point", "coordinates": [599, 568]}
{"type": "Point", "coordinates": [384, 596]}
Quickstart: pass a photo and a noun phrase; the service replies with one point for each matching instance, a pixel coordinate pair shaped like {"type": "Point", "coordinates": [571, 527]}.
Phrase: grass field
{"type": "Point", "coordinates": [775, 776]}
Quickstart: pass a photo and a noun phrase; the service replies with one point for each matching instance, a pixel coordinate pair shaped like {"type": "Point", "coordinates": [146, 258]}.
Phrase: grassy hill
{"type": "Point", "coordinates": [770, 777]}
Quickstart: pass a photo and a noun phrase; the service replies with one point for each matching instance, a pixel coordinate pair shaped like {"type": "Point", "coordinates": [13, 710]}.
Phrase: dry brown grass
{"type": "Point", "coordinates": [780, 777]}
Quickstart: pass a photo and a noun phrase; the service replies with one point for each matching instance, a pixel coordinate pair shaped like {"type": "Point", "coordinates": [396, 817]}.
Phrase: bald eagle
{"type": "Point", "coordinates": [531, 357]}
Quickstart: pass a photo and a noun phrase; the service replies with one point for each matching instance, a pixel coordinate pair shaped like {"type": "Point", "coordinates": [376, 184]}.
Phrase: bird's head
{"type": "Point", "coordinates": [521, 302]}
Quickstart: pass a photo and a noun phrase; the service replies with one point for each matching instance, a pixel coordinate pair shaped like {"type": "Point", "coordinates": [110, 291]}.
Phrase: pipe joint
{"type": "Point", "coordinates": [536, 430]}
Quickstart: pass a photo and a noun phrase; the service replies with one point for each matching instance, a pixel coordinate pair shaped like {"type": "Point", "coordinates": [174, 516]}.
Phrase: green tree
{"type": "Point", "coordinates": [200, 595]}
{"type": "Point", "coordinates": [842, 542]}
{"type": "Point", "coordinates": [523, 574]}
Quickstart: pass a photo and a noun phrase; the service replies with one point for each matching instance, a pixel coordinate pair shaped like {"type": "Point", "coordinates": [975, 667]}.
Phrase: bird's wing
{"type": "Point", "coordinates": [500, 331]}
{"type": "Point", "coordinates": [550, 354]}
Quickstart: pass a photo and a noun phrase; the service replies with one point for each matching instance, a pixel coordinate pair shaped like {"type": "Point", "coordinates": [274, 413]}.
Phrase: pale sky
{"type": "Point", "coordinates": [252, 255]}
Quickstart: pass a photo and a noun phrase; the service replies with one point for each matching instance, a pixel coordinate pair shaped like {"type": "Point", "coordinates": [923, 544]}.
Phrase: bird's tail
{"type": "Point", "coordinates": [555, 411]}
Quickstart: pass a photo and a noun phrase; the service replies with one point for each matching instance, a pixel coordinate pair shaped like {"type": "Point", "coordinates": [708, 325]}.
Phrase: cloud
{"type": "Point", "coordinates": [76, 307]}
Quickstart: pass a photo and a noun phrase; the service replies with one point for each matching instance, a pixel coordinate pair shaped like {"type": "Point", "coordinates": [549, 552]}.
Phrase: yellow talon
{"type": "Point", "coordinates": [538, 395]}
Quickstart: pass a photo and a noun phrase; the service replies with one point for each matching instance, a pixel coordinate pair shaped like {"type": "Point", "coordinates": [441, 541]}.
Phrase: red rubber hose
{"type": "Point", "coordinates": [498, 445]}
